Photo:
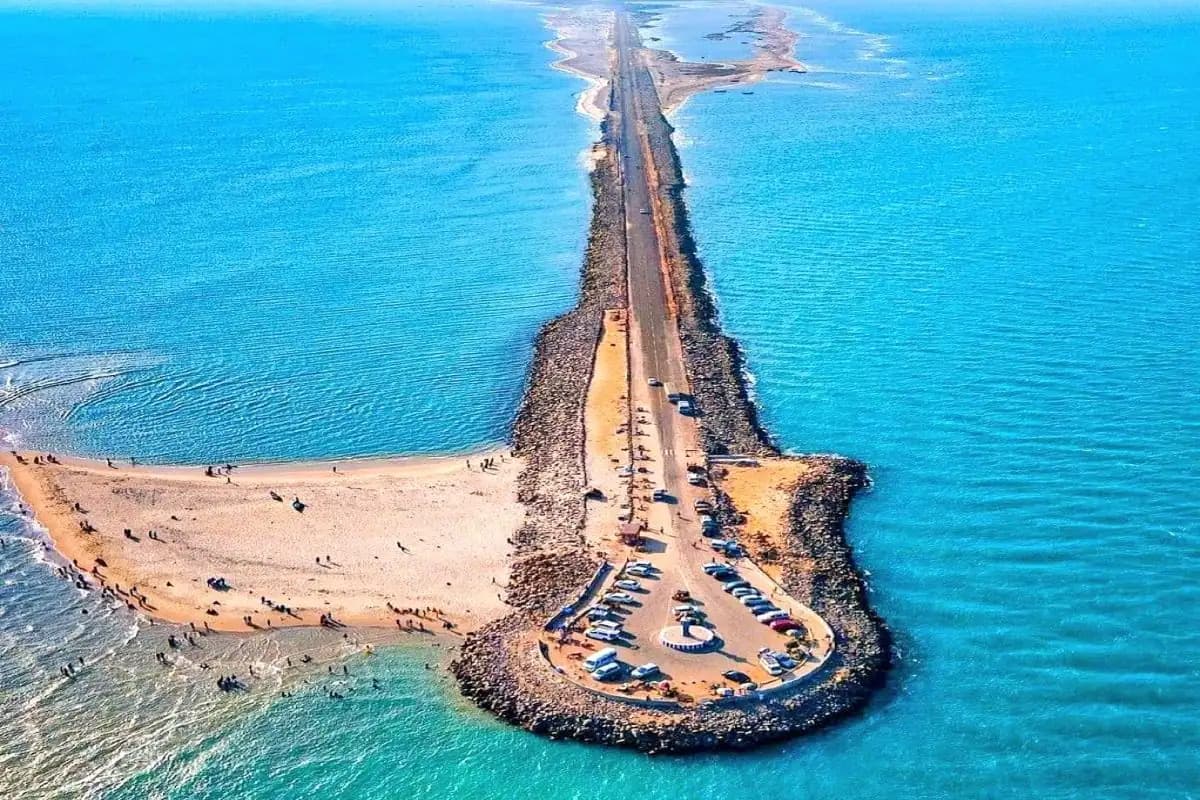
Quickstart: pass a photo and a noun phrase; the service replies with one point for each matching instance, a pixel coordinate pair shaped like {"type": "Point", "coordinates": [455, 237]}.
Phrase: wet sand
{"type": "Point", "coordinates": [415, 533]}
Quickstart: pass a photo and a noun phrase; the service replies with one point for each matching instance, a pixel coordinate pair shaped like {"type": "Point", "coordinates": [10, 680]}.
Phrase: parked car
{"type": "Point", "coordinates": [771, 616]}
{"type": "Point", "coordinates": [784, 624]}
{"type": "Point", "coordinates": [714, 566]}
{"type": "Point", "coordinates": [751, 599]}
{"type": "Point", "coordinates": [659, 495]}
{"type": "Point", "coordinates": [735, 676]}
{"type": "Point", "coordinates": [770, 663]}
{"type": "Point", "coordinates": [598, 614]}
{"type": "Point", "coordinates": [730, 586]}
{"type": "Point", "coordinates": [654, 381]}
{"type": "Point", "coordinates": [644, 671]}
{"type": "Point", "coordinates": [696, 480]}
{"type": "Point", "coordinates": [702, 506]}
{"type": "Point", "coordinates": [618, 597]}
{"type": "Point", "coordinates": [640, 572]}
{"type": "Point", "coordinates": [785, 661]}
{"type": "Point", "coordinates": [628, 584]}
{"type": "Point", "coordinates": [600, 635]}
{"type": "Point", "coordinates": [742, 591]}
{"type": "Point", "coordinates": [761, 607]}
{"type": "Point", "coordinates": [610, 670]}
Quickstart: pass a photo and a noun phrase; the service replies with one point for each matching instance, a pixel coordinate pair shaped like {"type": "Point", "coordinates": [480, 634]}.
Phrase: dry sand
{"type": "Point", "coordinates": [583, 39]}
{"type": "Point", "coordinates": [453, 524]}
{"type": "Point", "coordinates": [774, 51]}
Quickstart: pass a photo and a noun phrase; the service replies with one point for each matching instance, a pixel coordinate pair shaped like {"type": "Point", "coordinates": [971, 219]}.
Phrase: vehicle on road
{"type": "Point", "coordinates": [600, 658]}
{"type": "Point", "coordinates": [771, 616]}
{"type": "Point", "coordinates": [686, 408]}
{"type": "Point", "coordinates": [610, 670]}
{"type": "Point", "coordinates": [654, 381]}
{"type": "Point", "coordinates": [736, 676]}
{"type": "Point", "coordinates": [631, 585]}
{"type": "Point", "coordinates": [660, 495]}
{"type": "Point", "coordinates": [674, 396]}
{"type": "Point", "coordinates": [618, 597]}
{"type": "Point", "coordinates": [644, 671]}
{"type": "Point", "coordinates": [644, 211]}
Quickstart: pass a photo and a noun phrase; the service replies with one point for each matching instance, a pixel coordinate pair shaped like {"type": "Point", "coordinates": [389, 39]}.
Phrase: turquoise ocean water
{"type": "Point", "coordinates": [963, 248]}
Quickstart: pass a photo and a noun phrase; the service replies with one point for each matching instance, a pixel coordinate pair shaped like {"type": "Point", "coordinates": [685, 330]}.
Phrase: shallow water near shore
{"type": "Point", "coordinates": [963, 249]}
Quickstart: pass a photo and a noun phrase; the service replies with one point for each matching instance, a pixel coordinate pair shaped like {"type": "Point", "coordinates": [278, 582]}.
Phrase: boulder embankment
{"type": "Point", "coordinates": [501, 666]}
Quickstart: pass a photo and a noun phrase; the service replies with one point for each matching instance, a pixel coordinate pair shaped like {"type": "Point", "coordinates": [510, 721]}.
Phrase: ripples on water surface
{"type": "Point", "coordinates": [280, 237]}
{"type": "Point", "coordinates": [962, 248]}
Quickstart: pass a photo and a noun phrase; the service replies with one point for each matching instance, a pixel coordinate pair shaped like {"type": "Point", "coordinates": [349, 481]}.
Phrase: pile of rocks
{"type": "Point", "coordinates": [819, 569]}
{"type": "Point", "coordinates": [549, 428]}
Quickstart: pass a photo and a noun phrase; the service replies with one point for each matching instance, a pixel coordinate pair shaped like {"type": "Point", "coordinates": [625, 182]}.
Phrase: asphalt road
{"type": "Point", "coordinates": [675, 543]}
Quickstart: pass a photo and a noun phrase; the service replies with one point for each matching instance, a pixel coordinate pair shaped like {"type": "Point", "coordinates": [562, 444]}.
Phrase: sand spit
{"type": "Point", "coordinates": [774, 51]}
{"type": "Point", "coordinates": [371, 534]}
{"type": "Point", "coordinates": [582, 39]}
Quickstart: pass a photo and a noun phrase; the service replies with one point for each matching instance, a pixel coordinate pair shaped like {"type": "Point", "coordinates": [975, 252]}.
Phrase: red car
{"type": "Point", "coordinates": [785, 625]}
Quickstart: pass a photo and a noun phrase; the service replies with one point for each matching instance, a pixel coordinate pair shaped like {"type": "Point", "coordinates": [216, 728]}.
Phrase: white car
{"type": "Point", "coordinates": [770, 663]}
{"type": "Point", "coordinates": [631, 585]}
{"type": "Point", "coordinates": [618, 597]}
{"type": "Point", "coordinates": [645, 671]}
{"type": "Point", "coordinates": [654, 381]}
{"type": "Point", "coordinates": [640, 572]}
{"type": "Point", "coordinates": [600, 635]}
{"type": "Point", "coordinates": [742, 591]}
{"type": "Point", "coordinates": [771, 616]}
{"type": "Point", "coordinates": [610, 670]}
{"type": "Point", "coordinates": [750, 599]}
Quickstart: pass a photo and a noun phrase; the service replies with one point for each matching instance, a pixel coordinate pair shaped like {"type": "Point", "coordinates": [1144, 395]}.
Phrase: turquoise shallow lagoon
{"type": "Point", "coordinates": [963, 247]}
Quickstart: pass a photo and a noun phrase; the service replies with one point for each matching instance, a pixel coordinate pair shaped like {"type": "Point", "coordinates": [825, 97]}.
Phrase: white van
{"type": "Point", "coordinates": [600, 658]}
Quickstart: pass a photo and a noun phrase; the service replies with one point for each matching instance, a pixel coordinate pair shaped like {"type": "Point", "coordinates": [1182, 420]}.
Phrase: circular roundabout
{"type": "Point", "coordinates": [691, 639]}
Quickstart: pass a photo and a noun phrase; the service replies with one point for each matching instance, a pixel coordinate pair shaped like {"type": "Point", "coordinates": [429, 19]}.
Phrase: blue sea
{"type": "Point", "coordinates": [963, 247]}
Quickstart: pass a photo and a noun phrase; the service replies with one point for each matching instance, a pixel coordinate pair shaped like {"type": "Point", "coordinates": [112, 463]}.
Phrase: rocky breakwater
{"type": "Point", "coordinates": [548, 432]}
{"type": "Point", "coordinates": [818, 564]}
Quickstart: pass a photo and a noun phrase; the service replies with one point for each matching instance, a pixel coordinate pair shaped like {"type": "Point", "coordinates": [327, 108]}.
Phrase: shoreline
{"type": "Point", "coordinates": [521, 530]}
{"type": "Point", "coordinates": [376, 515]}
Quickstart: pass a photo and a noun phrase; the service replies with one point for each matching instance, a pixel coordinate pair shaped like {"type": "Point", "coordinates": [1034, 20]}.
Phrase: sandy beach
{"type": "Point", "coordinates": [774, 51]}
{"type": "Point", "coordinates": [582, 39]}
{"type": "Point", "coordinates": [410, 533]}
